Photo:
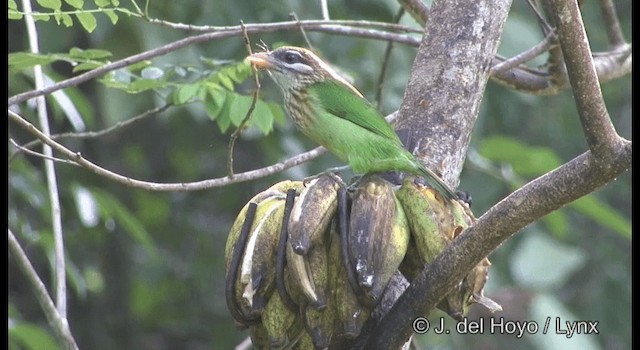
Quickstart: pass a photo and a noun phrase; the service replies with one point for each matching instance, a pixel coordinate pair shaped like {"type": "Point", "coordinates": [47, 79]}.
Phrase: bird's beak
{"type": "Point", "coordinates": [260, 60]}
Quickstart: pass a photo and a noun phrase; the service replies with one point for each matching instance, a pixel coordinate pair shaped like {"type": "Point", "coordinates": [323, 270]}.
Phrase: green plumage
{"type": "Point", "coordinates": [332, 113]}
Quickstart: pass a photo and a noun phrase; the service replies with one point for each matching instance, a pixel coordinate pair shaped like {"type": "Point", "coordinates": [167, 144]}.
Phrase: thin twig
{"type": "Point", "coordinates": [185, 186]}
{"type": "Point", "coordinates": [306, 23]}
{"type": "Point", "coordinates": [611, 23]}
{"type": "Point", "coordinates": [546, 27]}
{"type": "Point", "coordinates": [154, 186]}
{"type": "Point", "coordinates": [92, 134]}
{"type": "Point", "coordinates": [294, 17]}
{"type": "Point", "coordinates": [38, 154]}
{"type": "Point", "coordinates": [56, 321]}
{"type": "Point", "coordinates": [525, 56]}
{"type": "Point", "coordinates": [50, 171]}
{"type": "Point", "coordinates": [417, 9]}
{"type": "Point", "coordinates": [385, 62]}
{"type": "Point", "coordinates": [236, 133]}
{"type": "Point", "coordinates": [320, 26]}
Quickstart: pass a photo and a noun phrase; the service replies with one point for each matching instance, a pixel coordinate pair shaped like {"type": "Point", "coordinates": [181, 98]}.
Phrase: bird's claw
{"type": "Point", "coordinates": [332, 172]}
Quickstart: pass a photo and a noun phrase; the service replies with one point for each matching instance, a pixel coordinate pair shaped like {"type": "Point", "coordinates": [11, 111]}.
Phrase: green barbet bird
{"type": "Point", "coordinates": [331, 112]}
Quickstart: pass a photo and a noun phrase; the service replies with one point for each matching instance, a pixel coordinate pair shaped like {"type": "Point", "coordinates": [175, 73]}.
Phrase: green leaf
{"type": "Point", "coordinates": [115, 3]}
{"type": "Point", "coordinates": [75, 3]}
{"type": "Point", "coordinates": [223, 119]}
{"type": "Point", "coordinates": [13, 14]}
{"type": "Point", "coordinates": [112, 16]}
{"type": "Point", "coordinates": [87, 66]}
{"type": "Point", "coordinates": [50, 4]}
{"type": "Point", "coordinates": [22, 60]}
{"type": "Point", "coordinates": [89, 54]}
{"type": "Point", "coordinates": [214, 101]}
{"type": "Point", "coordinates": [141, 85]}
{"type": "Point", "coordinates": [238, 109]}
{"type": "Point", "coordinates": [603, 214]}
{"type": "Point", "coordinates": [186, 93]}
{"type": "Point", "coordinates": [37, 16]}
{"type": "Point", "coordinates": [225, 81]}
{"type": "Point", "coordinates": [13, 10]}
{"type": "Point", "coordinates": [88, 21]}
{"type": "Point", "coordinates": [67, 20]}
{"type": "Point", "coordinates": [262, 117]}
{"type": "Point", "coordinates": [139, 65]}
{"type": "Point", "coordinates": [102, 3]}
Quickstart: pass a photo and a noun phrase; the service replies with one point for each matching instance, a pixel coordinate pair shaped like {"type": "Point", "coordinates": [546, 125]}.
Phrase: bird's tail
{"type": "Point", "coordinates": [438, 184]}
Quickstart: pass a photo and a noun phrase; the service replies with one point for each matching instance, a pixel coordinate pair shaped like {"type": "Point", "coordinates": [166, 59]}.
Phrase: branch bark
{"type": "Point", "coordinates": [447, 81]}
{"type": "Point", "coordinates": [596, 124]}
{"type": "Point", "coordinates": [608, 157]}
{"type": "Point", "coordinates": [541, 196]}
{"type": "Point", "coordinates": [56, 321]}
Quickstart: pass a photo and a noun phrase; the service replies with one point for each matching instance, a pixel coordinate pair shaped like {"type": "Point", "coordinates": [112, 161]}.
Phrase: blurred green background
{"type": "Point", "coordinates": [145, 269]}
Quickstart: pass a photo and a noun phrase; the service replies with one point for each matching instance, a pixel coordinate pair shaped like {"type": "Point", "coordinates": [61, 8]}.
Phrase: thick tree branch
{"type": "Point", "coordinates": [56, 321]}
{"type": "Point", "coordinates": [447, 81]}
{"type": "Point", "coordinates": [596, 124]}
{"type": "Point", "coordinates": [577, 178]}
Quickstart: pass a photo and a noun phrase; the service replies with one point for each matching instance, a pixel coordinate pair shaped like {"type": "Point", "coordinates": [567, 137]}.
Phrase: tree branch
{"type": "Point", "coordinates": [154, 186]}
{"type": "Point", "coordinates": [447, 82]}
{"type": "Point", "coordinates": [320, 26]}
{"type": "Point", "coordinates": [50, 171]}
{"type": "Point", "coordinates": [611, 23]}
{"type": "Point", "coordinates": [577, 178]}
{"type": "Point", "coordinates": [596, 124]}
{"type": "Point", "coordinates": [56, 321]}
{"type": "Point", "coordinates": [92, 134]}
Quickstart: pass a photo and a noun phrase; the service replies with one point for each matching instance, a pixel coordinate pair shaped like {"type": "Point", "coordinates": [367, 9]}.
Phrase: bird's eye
{"type": "Point", "coordinates": [292, 57]}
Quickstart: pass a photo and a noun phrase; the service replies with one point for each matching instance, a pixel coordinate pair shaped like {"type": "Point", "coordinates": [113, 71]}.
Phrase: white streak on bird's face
{"type": "Point", "coordinates": [296, 68]}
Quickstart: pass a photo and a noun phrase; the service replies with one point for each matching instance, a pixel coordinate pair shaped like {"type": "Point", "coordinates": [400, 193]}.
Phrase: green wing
{"type": "Point", "coordinates": [341, 101]}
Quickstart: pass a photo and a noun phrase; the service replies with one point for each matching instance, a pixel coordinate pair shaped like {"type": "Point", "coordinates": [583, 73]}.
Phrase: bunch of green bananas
{"type": "Point", "coordinates": [308, 263]}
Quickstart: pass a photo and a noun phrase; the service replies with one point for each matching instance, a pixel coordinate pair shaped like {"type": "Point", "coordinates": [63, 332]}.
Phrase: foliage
{"type": "Point", "coordinates": [146, 268]}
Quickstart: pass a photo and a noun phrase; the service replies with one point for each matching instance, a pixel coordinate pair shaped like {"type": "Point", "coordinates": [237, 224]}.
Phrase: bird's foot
{"type": "Point", "coordinates": [332, 172]}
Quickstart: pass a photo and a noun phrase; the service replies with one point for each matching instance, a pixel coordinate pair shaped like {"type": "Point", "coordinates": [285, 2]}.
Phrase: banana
{"type": "Point", "coordinates": [277, 319]}
{"type": "Point", "coordinates": [350, 314]}
{"type": "Point", "coordinates": [424, 220]}
{"type": "Point", "coordinates": [312, 213]}
{"type": "Point", "coordinates": [303, 342]}
{"type": "Point", "coordinates": [257, 269]}
{"type": "Point", "coordinates": [378, 236]}
{"type": "Point", "coordinates": [319, 321]}
{"type": "Point", "coordinates": [259, 336]}
{"type": "Point", "coordinates": [278, 190]}
{"type": "Point", "coordinates": [249, 260]}
{"type": "Point", "coordinates": [308, 275]}
{"type": "Point", "coordinates": [471, 289]}
{"type": "Point", "coordinates": [434, 223]}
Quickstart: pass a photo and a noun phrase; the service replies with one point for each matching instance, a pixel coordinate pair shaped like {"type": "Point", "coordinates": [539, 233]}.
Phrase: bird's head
{"type": "Point", "coordinates": [295, 68]}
